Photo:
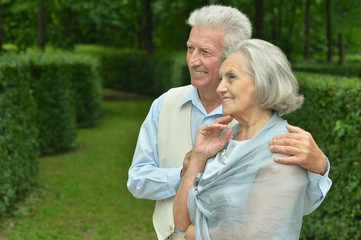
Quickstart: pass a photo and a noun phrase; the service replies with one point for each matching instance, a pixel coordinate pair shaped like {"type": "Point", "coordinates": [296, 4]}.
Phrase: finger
{"type": "Point", "coordinates": [288, 150]}
{"type": "Point", "coordinates": [294, 129]}
{"type": "Point", "coordinates": [224, 120]}
{"type": "Point", "coordinates": [287, 136]}
{"type": "Point", "coordinates": [213, 126]}
{"type": "Point", "coordinates": [227, 135]}
{"type": "Point", "coordinates": [286, 142]}
{"type": "Point", "coordinates": [287, 160]}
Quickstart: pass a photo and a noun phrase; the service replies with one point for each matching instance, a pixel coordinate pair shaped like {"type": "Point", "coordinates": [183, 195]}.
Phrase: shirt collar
{"type": "Point", "coordinates": [193, 97]}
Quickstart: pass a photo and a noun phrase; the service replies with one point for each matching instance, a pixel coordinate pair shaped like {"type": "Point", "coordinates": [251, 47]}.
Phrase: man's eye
{"type": "Point", "coordinates": [206, 52]}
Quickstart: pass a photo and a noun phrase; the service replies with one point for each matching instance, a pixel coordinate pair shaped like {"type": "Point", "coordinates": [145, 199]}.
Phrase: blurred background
{"type": "Point", "coordinates": [77, 79]}
{"type": "Point", "coordinates": [327, 29]}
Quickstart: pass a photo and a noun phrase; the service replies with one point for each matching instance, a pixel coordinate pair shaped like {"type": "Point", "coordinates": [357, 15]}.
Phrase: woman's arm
{"type": "Point", "coordinates": [180, 208]}
{"type": "Point", "coordinates": [190, 233]}
{"type": "Point", "coordinates": [208, 142]}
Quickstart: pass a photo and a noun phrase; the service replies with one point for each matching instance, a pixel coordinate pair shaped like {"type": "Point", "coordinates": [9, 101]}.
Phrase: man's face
{"type": "Point", "coordinates": [205, 46]}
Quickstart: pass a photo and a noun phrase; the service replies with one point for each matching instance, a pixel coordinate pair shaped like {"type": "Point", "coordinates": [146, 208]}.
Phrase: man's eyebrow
{"type": "Point", "coordinates": [206, 48]}
{"type": "Point", "coordinates": [189, 44]}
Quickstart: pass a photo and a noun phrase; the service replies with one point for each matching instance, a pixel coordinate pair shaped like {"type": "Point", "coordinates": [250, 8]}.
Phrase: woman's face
{"type": "Point", "coordinates": [236, 87]}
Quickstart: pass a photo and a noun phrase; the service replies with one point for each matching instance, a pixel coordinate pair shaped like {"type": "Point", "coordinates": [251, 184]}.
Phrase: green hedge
{"type": "Point", "coordinates": [351, 69]}
{"type": "Point", "coordinates": [54, 95]}
{"type": "Point", "coordinates": [18, 132]}
{"type": "Point", "coordinates": [140, 73]}
{"type": "Point", "coordinates": [43, 99]}
{"type": "Point", "coordinates": [86, 83]}
{"type": "Point", "coordinates": [332, 113]}
{"type": "Point", "coordinates": [68, 92]}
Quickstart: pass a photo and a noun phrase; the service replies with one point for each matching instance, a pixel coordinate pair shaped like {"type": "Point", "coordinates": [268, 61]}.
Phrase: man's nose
{"type": "Point", "coordinates": [194, 59]}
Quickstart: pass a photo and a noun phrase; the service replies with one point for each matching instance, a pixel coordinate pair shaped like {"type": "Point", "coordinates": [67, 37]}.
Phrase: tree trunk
{"type": "Point", "coordinates": [1, 29]}
{"type": "Point", "coordinates": [280, 21]}
{"type": "Point", "coordinates": [146, 30]}
{"type": "Point", "coordinates": [306, 52]}
{"type": "Point", "coordinates": [41, 25]}
{"type": "Point", "coordinates": [329, 32]}
{"type": "Point", "coordinates": [341, 50]}
{"type": "Point", "coordinates": [259, 19]}
{"type": "Point", "coordinates": [215, 2]}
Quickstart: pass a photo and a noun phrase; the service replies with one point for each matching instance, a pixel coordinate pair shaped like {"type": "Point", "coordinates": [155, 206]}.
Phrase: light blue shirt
{"type": "Point", "coordinates": [148, 181]}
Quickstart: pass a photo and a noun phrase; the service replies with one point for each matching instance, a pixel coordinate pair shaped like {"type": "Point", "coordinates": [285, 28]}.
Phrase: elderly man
{"type": "Point", "coordinates": [174, 119]}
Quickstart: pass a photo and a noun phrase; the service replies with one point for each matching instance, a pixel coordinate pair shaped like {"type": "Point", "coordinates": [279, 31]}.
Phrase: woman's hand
{"type": "Point", "coordinates": [208, 141]}
{"type": "Point", "coordinates": [190, 233]}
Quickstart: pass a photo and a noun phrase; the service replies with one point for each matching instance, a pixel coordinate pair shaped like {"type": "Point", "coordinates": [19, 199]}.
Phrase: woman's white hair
{"type": "Point", "coordinates": [276, 87]}
{"type": "Point", "coordinates": [236, 25]}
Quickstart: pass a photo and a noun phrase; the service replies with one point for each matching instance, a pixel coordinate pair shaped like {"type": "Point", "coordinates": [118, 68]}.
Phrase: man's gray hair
{"type": "Point", "coordinates": [236, 25]}
{"type": "Point", "coordinates": [276, 87]}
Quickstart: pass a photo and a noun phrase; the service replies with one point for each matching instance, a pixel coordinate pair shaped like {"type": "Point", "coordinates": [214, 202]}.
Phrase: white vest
{"type": "Point", "coordinates": [174, 141]}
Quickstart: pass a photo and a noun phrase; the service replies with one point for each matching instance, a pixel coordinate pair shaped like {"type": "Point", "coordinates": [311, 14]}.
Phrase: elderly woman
{"type": "Point", "coordinates": [232, 188]}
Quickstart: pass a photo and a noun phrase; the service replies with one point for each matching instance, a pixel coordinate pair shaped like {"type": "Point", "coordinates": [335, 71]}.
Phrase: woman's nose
{"type": "Point", "coordinates": [222, 88]}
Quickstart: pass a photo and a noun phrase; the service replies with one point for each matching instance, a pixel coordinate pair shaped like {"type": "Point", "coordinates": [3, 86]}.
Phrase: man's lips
{"type": "Point", "coordinates": [199, 72]}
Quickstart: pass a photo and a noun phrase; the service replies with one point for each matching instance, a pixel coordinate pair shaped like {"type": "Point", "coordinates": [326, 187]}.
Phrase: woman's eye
{"type": "Point", "coordinates": [232, 76]}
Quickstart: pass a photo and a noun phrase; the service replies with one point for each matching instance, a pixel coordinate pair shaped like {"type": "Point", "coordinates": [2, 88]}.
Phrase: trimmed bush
{"type": "Point", "coordinates": [18, 132]}
{"type": "Point", "coordinates": [87, 88]}
{"type": "Point", "coordinates": [332, 113]}
{"type": "Point", "coordinates": [82, 71]}
{"type": "Point", "coordinates": [139, 73]}
{"type": "Point", "coordinates": [351, 69]}
{"type": "Point", "coordinates": [54, 96]}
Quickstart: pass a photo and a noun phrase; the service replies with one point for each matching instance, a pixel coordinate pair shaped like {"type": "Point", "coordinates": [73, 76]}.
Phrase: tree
{"type": "Point", "coordinates": [146, 27]}
{"type": "Point", "coordinates": [1, 30]}
{"type": "Point", "coordinates": [306, 51]}
{"type": "Point", "coordinates": [329, 32]}
{"type": "Point", "coordinates": [41, 25]}
{"type": "Point", "coordinates": [259, 19]}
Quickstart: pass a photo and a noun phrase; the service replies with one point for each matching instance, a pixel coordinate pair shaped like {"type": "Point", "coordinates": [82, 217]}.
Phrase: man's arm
{"type": "Point", "coordinates": [146, 180]}
{"type": "Point", "coordinates": [305, 153]}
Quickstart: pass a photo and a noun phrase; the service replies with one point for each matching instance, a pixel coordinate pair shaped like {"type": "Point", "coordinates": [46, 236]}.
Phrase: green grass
{"type": "Point", "coordinates": [83, 193]}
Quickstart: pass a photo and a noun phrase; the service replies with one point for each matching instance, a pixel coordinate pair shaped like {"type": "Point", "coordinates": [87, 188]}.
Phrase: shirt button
{"type": "Point", "coordinates": [171, 228]}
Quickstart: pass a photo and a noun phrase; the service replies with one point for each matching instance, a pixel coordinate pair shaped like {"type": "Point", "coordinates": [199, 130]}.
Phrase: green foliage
{"type": "Point", "coordinates": [140, 73]}
{"type": "Point", "coordinates": [81, 70]}
{"type": "Point", "coordinates": [332, 114]}
{"type": "Point", "coordinates": [19, 19]}
{"type": "Point", "coordinates": [18, 133]}
{"type": "Point", "coordinates": [55, 104]}
{"type": "Point", "coordinates": [351, 69]}
{"type": "Point", "coordinates": [85, 194]}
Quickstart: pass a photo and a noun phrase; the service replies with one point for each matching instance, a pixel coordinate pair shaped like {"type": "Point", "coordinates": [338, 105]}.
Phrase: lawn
{"type": "Point", "coordinates": [82, 194]}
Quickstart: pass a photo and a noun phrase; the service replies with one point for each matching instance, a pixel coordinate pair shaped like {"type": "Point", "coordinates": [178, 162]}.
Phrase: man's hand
{"type": "Point", "coordinates": [302, 149]}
